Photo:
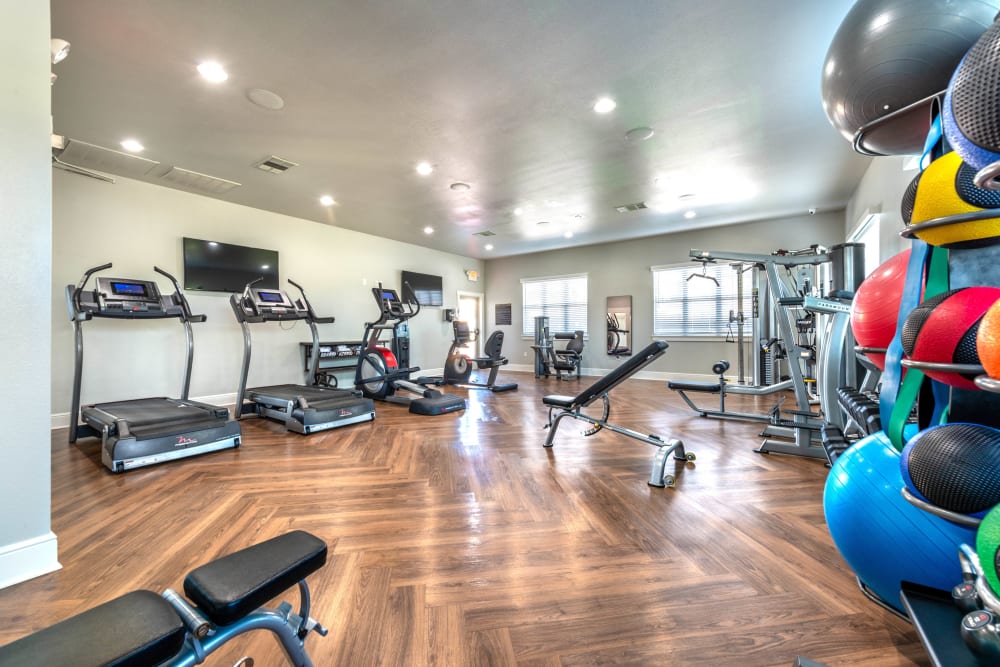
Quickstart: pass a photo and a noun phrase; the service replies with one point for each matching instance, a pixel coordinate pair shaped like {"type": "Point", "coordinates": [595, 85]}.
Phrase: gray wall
{"type": "Point", "coordinates": [136, 226]}
{"type": "Point", "coordinates": [27, 546]}
{"type": "Point", "coordinates": [624, 269]}
{"type": "Point", "coordinates": [881, 191]}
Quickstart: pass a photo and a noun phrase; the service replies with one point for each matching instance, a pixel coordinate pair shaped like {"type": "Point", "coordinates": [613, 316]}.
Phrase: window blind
{"type": "Point", "coordinates": [697, 307]}
{"type": "Point", "coordinates": [563, 299]}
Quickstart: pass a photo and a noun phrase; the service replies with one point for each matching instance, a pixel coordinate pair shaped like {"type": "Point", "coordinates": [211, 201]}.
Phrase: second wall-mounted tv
{"type": "Point", "coordinates": [429, 289]}
{"type": "Point", "coordinates": [223, 267]}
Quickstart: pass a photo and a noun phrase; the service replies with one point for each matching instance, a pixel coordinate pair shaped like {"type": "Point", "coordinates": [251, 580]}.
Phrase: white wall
{"type": "Point", "coordinates": [881, 191]}
{"type": "Point", "coordinates": [27, 546]}
{"type": "Point", "coordinates": [136, 225]}
{"type": "Point", "coordinates": [624, 269]}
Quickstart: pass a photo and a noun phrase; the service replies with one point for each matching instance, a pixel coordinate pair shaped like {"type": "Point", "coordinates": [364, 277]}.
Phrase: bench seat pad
{"type": "Point", "coordinates": [231, 587]}
{"type": "Point", "coordinates": [138, 629]}
{"type": "Point", "coordinates": [706, 387]}
{"type": "Point", "coordinates": [557, 401]}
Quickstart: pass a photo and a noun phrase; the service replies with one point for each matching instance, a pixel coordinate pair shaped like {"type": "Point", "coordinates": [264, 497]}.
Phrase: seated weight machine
{"type": "Point", "coordinates": [550, 360]}
{"type": "Point", "coordinates": [228, 596]}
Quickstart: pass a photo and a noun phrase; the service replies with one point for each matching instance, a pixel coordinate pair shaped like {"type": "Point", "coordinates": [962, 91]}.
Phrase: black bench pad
{"type": "Point", "coordinates": [558, 401]}
{"type": "Point", "coordinates": [137, 629]}
{"type": "Point", "coordinates": [706, 387]}
{"type": "Point", "coordinates": [231, 587]}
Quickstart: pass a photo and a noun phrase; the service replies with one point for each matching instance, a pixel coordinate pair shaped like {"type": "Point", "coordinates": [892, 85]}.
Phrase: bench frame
{"type": "Point", "coordinates": [561, 407]}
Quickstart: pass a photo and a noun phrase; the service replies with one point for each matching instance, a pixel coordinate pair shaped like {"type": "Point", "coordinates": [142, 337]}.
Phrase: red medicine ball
{"type": "Point", "coordinates": [943, 329]}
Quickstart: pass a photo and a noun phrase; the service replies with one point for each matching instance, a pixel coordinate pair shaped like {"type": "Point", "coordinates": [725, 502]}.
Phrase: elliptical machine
{"type": "Point", "coordinates": [458, 367]}
{"type": "Point", "coordinates": [379, 373]}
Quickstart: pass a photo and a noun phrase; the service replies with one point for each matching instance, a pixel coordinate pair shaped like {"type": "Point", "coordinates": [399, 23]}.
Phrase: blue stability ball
{"type": "Point", "coordinates": [881, 536]}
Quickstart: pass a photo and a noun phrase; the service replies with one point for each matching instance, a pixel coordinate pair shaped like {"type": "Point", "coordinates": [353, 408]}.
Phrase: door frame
{"type": "Point", "coordinates": [478, 296]}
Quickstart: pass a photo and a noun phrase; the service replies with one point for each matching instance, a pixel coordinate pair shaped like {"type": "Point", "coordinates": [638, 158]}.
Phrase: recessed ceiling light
{"type": "Point", "coordinates": [459, 186]}
{"type": "Point", "coordinates": [568, 235]}
{"type": "Point", "coordinates": [428, 230]}
{"type": "Point", "coordinates": [605, 105]}
{"type": "Point", "coordinates": [518, 211]}
{"type": "Point", "coordinates": [265, 98]}
{"type": "Point", "coordinates": [212, 71]}
{"type": "Point", "coordinates": [639, 133]}
{"type": "Point", "coordinates": [489, 246]}
{"type": "Point", "coordinates": [425, 168]}
{"type": "Point", "coordinates": [690, 214]}
{"type": "Point", "coordinates": [132, 146]}
{"type": "Point", "coordinates": [327, 200]}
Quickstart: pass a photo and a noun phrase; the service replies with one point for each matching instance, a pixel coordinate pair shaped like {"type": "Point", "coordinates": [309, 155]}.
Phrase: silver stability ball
{"type": "Point", "coordinates": [888, 61]}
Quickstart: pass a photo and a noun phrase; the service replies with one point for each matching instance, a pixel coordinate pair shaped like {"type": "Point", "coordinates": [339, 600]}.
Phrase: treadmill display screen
{"type": "Point", "coordinates": [129, 289]}
{"type": "Point", "coordinates": [270, 297]}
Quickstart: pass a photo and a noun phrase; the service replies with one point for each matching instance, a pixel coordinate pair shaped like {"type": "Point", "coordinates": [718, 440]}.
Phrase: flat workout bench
{"type": "Point", "coordinates": [572, 406]}
{"type": "Point", "coordinates": [142, 628]}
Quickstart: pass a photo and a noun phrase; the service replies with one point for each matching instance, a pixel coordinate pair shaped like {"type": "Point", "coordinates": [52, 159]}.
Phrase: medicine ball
{"type": "Point", "coordinates": [970, 116]}
{"type": "Point", "coordinates": [889, 54]}
{"type": "Point", "coordinates": [943, 329]}
{"type": "Point", "coordinates": [988, 341]}
{"type": "Point", "coordinates": [875, 308]}
{"type": "Point", "coordinates": [988, 548]}
{"type": "Point", "coordinates": [946, 189]}
{"type": "Point", "coordinates": [955, 466]}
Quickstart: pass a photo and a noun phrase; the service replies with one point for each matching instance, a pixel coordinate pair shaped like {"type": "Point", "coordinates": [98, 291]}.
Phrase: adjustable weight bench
{"type": "Point", "coordinates": [572, 406]}
{"type": "Point", "coordinates": [141, 628]}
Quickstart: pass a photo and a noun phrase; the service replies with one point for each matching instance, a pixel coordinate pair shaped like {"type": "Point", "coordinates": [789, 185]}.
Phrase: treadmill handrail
{"type": "Point", "coordinates": [74, 304]}
{"type": "Point", "coordinates": [308, 306]}
{"type": "Point", "coordinates": [181, 299]}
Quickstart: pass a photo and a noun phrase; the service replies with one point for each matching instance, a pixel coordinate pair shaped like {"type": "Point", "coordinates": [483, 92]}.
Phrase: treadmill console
{"type": "Point", "coordinates": [125, 296]}
{"type": "Point", "coordinates": [274, 304]}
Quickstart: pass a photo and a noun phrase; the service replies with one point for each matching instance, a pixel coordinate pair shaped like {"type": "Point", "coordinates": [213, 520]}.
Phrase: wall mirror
{"type": "Point", "coordinates": [619, 326]}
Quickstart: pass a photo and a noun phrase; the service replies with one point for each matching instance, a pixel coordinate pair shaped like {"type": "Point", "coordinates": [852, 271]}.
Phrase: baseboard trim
{"type": "Point", "coordinates": [28, 559]}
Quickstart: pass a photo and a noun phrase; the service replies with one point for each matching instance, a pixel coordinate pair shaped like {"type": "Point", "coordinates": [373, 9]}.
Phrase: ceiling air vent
{"type": "Point", "coordinates": [625, 208]}
{"type": "Point", "coordinates": [485, 232]}
{"type": "Point", "coordinates": [89, 156]}
{"type": "Point", "coordinates": [192, 180]}
{"type": "Point", "coordinates": [275, 164]}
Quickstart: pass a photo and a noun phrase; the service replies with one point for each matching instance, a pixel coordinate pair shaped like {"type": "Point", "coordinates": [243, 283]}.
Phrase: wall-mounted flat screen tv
{"type": "Point", "coordinates": [223, 267]}
{"type": "Point", "coordinates": [429, 289]}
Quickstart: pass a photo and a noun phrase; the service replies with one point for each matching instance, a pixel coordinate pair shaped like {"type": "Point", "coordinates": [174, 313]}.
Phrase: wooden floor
{"type": "Point", "coordinates": [460, 540]}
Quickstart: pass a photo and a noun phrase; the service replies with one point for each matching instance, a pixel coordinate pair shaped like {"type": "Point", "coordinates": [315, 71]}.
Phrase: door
{"type": "Point", "coordinates": [469, 310]}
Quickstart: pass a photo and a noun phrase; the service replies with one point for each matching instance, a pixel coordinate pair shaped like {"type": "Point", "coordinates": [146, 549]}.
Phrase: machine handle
{"type": "Point", "coordinates": [410, 299]}
{"type": "Point", "coordinates": [309, 308]}
{"type": "Point", "coordinates": [180, 298]}
{"type": "Point", "coordinates": [81, 284]}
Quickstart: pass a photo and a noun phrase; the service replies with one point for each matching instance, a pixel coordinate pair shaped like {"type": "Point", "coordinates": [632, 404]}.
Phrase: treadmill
{"type": "Point", "coordinates": [141, 432]}
{"type": "Point", "coordinates": [303, 408]}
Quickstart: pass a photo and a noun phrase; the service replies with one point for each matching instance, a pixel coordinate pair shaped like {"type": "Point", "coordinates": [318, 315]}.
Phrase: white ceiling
{"type": "Point", "coordinates": [494, 94]}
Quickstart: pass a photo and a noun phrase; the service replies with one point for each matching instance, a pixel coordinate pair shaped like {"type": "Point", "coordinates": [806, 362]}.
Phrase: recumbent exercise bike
{"type": "Point", "coordinates": [458, 366]}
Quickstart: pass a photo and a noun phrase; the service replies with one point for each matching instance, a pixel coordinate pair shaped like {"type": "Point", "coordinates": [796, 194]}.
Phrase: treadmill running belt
{"type": "Point", "coordinates": [150, 411]}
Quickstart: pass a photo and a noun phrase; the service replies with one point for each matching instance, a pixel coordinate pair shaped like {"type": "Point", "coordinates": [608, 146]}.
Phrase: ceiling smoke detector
{"type": "Point", "coordinates": [275, 165]}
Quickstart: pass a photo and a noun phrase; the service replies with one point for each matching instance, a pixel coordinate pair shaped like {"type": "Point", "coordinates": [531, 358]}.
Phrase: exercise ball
{"type": "Point", "coordinates": [943, 329]}
{"type": "Point", "coordinates": [955, 467]}
{"type": "Point", "coordinates": [889, 54]}
{"type": "Point", "coordinates": [943, 189]}
{"type": "Point", "coordinates": [988, 548]}
{"type": "Point", "coordinates": [988, 341]}
{"type": "Point", "coordinates": [875, 307]}
{"type": "Point", "coordinates": [970, 116]}
{"type": "Point", "coordinates": [882, 537]}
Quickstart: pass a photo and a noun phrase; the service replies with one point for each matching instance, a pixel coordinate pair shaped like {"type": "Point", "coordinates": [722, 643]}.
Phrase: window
{"type": "Point", "coordinates": [563, 299]}
{"type": "Point", "coordinates": [696, 306]}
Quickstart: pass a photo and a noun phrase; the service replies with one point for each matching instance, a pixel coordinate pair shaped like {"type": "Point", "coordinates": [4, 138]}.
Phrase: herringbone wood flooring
{"type": "Point", "coordinates": [460, 540]}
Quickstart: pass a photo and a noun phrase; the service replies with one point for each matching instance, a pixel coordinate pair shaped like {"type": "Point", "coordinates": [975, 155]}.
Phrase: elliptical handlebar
{"type": "Point", "coordinates": [409, 299]}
